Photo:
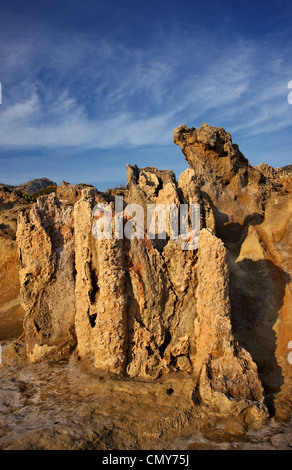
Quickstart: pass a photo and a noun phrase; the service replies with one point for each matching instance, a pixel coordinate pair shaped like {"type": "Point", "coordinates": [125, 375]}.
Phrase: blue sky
{"type": "Point", "coordinates": [88, 86]}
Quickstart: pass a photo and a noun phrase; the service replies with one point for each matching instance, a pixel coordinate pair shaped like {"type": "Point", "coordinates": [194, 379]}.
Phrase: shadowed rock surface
{"type": "Point", "coordinates": [11, 311]}
{"type": "Point", "coordinates": [252, 211]}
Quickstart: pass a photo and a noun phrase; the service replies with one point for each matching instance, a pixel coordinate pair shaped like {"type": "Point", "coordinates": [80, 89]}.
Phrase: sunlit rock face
{"type": "Point", "coordinates": [145, 308]}
{"type": "Point", "coordinates": [252, 211]}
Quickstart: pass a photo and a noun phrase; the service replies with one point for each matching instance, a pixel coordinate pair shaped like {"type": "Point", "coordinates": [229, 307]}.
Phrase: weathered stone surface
{"type": "Point", "coordinates": [252, 212]}
{"type": "Point", "coordinates": [126, 303]}
{"type": "Point", "coordinates": [228, 382]}
{"type": "Point", "coordinates": [70, 193]}
{"type": "Point", "coordinates": [189, 190]}
{"type": "Point", "coordinates": [135, 310]}
{"type": "Point", "coordinates": [47, 278]}
{"type": "Point", "coordinates": [261, 299]}
{"type": "Point", "coordinates": [280, 177]}
{"type": "Point", "coordinates": [11, 311]}
{"type": "Point", "coordinates": [210, 152]}
{"type": "Point", "coordinates": [236, 191]}
{"type": "Point", "coordinates": [100, 291]}
{"type": "Point", "coordinates": [74, 406]}
{"type": "Point", "coordinates": [150, 312]}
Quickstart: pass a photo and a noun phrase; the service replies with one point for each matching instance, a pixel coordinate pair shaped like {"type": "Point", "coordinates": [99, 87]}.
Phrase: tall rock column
{"type": "Point", "coordinates": [228, 382]}
{"type": "Point", "coordinates": [101, 323]}
{"type": "Point", "coordinates": [45, 239]}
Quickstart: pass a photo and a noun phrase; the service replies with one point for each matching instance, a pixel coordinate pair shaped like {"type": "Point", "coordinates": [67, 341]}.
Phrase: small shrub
{"type": "Point", "coordinates": [33, 197]}
{"type": "Point", "coordinates": [41, 192]}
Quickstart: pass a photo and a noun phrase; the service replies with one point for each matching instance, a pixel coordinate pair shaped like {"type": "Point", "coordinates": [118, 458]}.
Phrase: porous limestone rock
{"type": "Point", "coordinates": [11, 311]}
{"type": "Point", "coordinates": [47, 278]}
{"type": "Point", "coordinates": [210, 152]}
{"type": "Point", "coordinates": [228, 383]}
{"type": "Point", "coordinates": [70, 193]}
{"type": "Point", "coordinates": [100, 290]}
{"type": "Point", "coordinates": [236, 191]}
{"type": "Point", "coordinates": [252, 212]}
{"type": "Point", "coordinates": [262, 301]}
{"type": "Point", "coordinates": [189, 189]}
{"type": "Point", "coordinates": [145, 309]}
{"type": "Point", "coordinates": [139, 312]}
{"type": "Point", "coordinates": [126, 304]}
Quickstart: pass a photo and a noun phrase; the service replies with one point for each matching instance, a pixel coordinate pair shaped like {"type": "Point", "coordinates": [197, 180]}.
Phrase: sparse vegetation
{"type": "Point", "coordinates": [24, 195]}
{"type": "Point", "coordinates": [33, 197]}
{"type": "Point", "coordinates": [41, 192]}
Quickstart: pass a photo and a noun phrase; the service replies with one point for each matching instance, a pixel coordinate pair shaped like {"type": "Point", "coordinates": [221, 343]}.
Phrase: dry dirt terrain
{"type": "Point", "coordinates": [71, 406]}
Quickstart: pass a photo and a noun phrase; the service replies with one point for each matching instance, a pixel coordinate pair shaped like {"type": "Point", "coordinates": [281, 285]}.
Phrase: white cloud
{"type": "Point", "coordinates": [21, 111]}
{"type": "Point", "coordinates": [73, 93]}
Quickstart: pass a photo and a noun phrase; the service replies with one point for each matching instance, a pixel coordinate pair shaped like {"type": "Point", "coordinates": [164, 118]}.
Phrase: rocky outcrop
{"type": "Point", "coordinates": [252, 211]}
{"type": "Point", "coordinates": [144, 308]}
{"type": "Point", "coordinates": [11, 204]}
{"type": "Point", "coordinates": [210, 151]}
{"type": "Point", "coordinates": [100, 291]}
{"type": "Point", "coordinates": [236, 191]}
{"type": "Point", "coordinates": [228, 383]}
{"type": "Point", "coordinates": [70, 193]}
{"type": "Point", "coordinates": [47, 278]}
{"type": "Point", "coordinates": [279, 177]}
{"type": "Point", "coordinates": [261, 287]}
{"type": "Point", "coordinates": [139, 312]}
{"type": "Point", "coordinates": [11, 311]}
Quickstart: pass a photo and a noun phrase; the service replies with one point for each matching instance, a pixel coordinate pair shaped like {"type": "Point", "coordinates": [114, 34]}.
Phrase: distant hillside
{"type": "Point", "coordinates": [287, 167]}
{"type": "Point", "coordinates": [33, 186]}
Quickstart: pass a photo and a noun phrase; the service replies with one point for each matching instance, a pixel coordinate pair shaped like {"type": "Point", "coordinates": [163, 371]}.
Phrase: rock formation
{"type": "Point", "coordinates": [11, 311]}
{"type": "Point", "coordinates": [47, 277]}
{"type": "Point", "coordinates": [252, 211]}
{"type": "Point", "coordinates": [261, 288]}
{"type": "Point", "coordinates": [144, 308]}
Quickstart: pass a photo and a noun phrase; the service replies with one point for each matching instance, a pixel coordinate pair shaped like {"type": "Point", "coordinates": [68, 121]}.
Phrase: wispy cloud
{"type": "Point", "coordinates": [65, 92]}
